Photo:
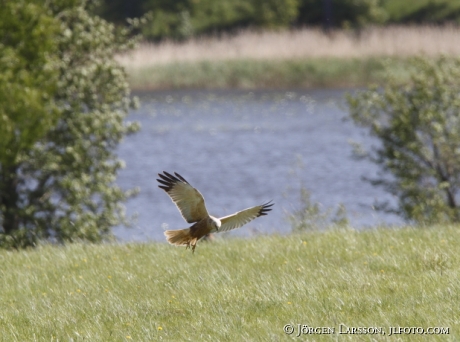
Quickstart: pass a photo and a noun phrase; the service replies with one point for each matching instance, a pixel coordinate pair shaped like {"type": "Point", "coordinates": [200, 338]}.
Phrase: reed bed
{"type": "Point", "coordinates": [394, 41]}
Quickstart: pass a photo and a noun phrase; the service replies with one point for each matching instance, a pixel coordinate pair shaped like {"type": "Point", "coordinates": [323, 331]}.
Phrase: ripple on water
{"type": "Point", "coordinates": [241, 149]}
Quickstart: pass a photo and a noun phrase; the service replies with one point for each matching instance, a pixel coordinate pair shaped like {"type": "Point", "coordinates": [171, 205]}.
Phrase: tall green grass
{"type": "Point", "coordinates": [235, 289]}
{"type": "Point", "coordinates": [265, 74]}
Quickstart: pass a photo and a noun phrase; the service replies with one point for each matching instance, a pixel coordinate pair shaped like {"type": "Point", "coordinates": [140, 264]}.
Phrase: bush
{"type": "Point", "coordinates": [418, 126]}
{"type": "Point", "coordinates": [58, 183]}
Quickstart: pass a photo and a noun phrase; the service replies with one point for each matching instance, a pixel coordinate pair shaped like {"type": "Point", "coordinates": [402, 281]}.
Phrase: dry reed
{"type": "Point", "coordinates": [394, 41]}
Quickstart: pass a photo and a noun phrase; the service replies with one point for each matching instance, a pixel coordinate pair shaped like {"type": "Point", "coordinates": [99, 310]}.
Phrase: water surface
{"type": "Point", "coordinates": [241, 149]}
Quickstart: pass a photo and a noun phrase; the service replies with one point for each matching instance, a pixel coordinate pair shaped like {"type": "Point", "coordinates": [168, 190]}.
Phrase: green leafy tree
{"type": "Point", "coordinates": [186, 18]}
{"type": "Point", "coordinates": [63, 178]}
{"type": "Point", "coordinates": [418, 126]}
{"type": "Point", "coordinates": [28, 80]}
{"type": "Point", "coordinates": [168, 19]}
{"type": "Point", "coordinates": [118, 11]}
{"type": "Point", "coordinates": [275, 13]}
{"type": "Point", "coordinates": [423, 11]}
{"type": "Point", "coordinates": [343, 13]}
{"type": "Point", "coordinates": [221, 16]}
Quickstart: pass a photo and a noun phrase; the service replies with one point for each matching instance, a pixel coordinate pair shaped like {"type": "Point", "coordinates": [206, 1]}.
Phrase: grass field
{"type": "Point", "coordinates": [304, 58]}
{"type": "Point", "coordinates": [236, 289]}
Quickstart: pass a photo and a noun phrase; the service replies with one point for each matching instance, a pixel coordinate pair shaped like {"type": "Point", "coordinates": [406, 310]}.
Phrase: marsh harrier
{"type": "Point", "coordinates": [191, 205]}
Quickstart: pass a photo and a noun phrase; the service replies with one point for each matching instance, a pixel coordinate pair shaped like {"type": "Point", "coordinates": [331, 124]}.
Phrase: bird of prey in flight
{"type": "Point", "coordinates": [191, 205]}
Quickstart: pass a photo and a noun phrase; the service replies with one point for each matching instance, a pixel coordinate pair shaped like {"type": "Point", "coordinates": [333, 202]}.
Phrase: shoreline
{"type": "Point", "coordinates": [249, 74]}
{"type": "Point", "coordinates": [305, 58]}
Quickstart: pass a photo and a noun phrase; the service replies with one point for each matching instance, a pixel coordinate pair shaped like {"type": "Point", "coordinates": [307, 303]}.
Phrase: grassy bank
{"type": "Point", "coordinates": [265, 74]}
{"type": "Point", "coordinates": [235, 289]}
{"type": "Point", "coordinates": [302, 59]}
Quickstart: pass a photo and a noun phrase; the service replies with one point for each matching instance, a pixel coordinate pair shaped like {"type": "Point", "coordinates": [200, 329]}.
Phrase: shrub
{"type": "Point", "coordinates": [59, 184]}
{"type": "Point", "coordinates": [418, 126]}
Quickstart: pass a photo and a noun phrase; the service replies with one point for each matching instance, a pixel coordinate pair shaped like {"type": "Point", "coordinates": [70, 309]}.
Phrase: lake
{"type": "Point", "coordinates": [244, 148]}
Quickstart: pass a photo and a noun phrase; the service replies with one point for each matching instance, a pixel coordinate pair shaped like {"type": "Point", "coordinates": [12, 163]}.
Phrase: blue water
{"type": "Point", "coordinates": [241, 149]}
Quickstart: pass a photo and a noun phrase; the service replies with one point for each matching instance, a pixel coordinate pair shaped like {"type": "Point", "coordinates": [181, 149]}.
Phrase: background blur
{"type": "Point", "coordinates": [182, 19]}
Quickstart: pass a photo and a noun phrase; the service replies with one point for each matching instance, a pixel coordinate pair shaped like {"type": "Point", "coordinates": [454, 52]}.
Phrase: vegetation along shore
{"type": "Point", "coordinates": [304, 58]}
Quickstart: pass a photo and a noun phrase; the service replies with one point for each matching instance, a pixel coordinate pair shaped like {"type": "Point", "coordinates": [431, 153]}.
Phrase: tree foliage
{"type": "Point", "coordinates": [61, 186]}
{"type": "Point", "coordinates": [182, 19]}
{"type": "Point", "coordinates": [423, 11]}
{"type": "Point", "coordinates": [343, 13]}
{"type": "Point", "coordinates": [186, 18]}
{"type": "Point", "coordinates": [28, 77]}
{"type": "Point", "coordinates": [418, 126]}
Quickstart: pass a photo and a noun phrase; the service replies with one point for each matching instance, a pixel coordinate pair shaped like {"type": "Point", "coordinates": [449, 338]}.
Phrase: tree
{"type": "Point", "coordinates": [28, 79]}
{"type": "Point", "coordinates": [64, 176]}
{"type": "Point", "coordinates": [28, 76]}
{"type": "Point", "coordinates": [119, 11]}
{"type": "Point", "coordinates": [341, 13]}
{"type": "Point", "coordinates": [275, 13]}
{"type": "Point", "coordinates": [418, 126]}
{"type": "Point", "coordinates": [183, 19]}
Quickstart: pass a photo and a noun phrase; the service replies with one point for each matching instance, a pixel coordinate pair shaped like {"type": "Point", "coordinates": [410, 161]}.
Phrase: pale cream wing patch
{"type": "Point", "coordinates": [188, 200]}
{"type": "Point", "coordinates": [242, 217]}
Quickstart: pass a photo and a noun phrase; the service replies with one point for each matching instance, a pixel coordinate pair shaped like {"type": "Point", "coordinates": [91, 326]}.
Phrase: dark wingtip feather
{"type": "Point", "coordinates": [168, 180]}
{"type": "Point", "coordinates": [170, 176]}
{"type": "Point", "coordinates": [265, 208]}
{"type": "Point", "coordinates": [164, 177]}
{"type": "Point", "coordinates": [162, 182]}
{"type": "Point", "coordinates": [268, 204]}
{"type": "Point", "coordinates": [180, 177]}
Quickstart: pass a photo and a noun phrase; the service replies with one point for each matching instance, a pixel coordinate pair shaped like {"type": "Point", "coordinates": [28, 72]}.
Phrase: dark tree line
{"type": "Point", "coordinates": [181, 19]}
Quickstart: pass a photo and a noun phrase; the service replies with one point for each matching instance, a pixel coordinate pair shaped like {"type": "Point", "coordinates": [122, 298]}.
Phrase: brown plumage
{"type": "Point", "coordinates": [191, 204]}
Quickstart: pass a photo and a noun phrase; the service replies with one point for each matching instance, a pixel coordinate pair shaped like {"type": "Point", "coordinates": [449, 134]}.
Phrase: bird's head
{"type": "Point", "coordinates": [215, 223]}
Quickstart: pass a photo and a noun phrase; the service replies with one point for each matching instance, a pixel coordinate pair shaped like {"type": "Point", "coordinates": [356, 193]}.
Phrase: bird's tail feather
{"type": "Point", "coordinates": [179, 237]}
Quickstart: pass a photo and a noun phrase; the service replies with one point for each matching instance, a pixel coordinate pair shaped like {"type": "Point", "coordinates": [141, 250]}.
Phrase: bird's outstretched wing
{"type": "Point", "coordinates": [242, 217]}
{"type": "Point", "coordinates": [188, 199]}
